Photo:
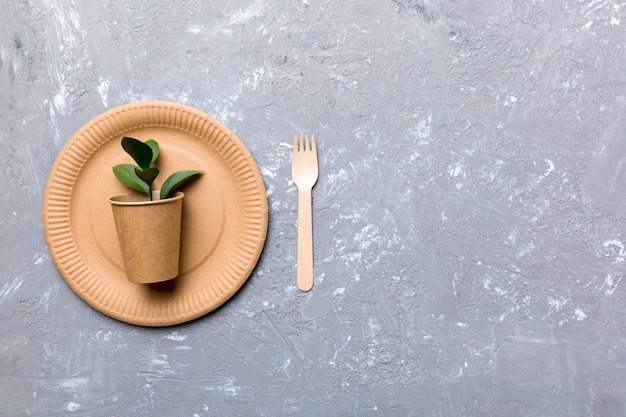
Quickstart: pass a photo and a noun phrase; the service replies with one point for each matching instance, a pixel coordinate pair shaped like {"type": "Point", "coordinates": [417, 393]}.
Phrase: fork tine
{"type": "Point", "coordinates": [304, 143]}
{"type": "Point", "coordinates": [300, 143]}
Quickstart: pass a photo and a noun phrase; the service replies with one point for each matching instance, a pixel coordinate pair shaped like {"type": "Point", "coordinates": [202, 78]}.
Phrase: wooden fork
{"type": "Point", "coordinates": [304, 171]}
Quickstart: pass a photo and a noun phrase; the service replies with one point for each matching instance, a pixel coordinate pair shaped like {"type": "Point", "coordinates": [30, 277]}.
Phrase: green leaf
{"type": "Point", "coordinates": [139, 151]}
{"type": "Point", "coordinates": [147, 175]}
{"type": "Point", "coordinates": [127, 175]}
{"type": "Point", "coordinates": [155, 149]}
{"type": "Point", "coordinates": [175, 181]}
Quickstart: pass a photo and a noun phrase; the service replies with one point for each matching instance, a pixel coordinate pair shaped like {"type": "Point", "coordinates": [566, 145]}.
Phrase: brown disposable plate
{"type": "Point", "coordinates": [224, 213]}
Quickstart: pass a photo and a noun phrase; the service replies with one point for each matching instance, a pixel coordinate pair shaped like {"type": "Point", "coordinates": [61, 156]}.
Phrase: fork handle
{"type": "Point", "coordinates": [304, 276]}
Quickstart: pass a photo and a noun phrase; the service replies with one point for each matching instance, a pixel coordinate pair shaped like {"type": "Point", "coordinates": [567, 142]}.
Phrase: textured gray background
{"type": "Point", "coordinates": [469, 216]}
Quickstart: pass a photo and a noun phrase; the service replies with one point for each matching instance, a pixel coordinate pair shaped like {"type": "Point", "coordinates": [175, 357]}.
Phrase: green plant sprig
{"type": "Point", "coordinates": [141, 176]}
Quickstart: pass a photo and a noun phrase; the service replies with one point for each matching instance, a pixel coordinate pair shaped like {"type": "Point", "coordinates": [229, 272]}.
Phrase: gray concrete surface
{"type": "Point", "coordinates": [469, 217]}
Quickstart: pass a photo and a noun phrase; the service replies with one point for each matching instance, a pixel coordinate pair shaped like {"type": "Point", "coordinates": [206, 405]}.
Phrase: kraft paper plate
{"type": "Point", "coordinates": [224, 213]}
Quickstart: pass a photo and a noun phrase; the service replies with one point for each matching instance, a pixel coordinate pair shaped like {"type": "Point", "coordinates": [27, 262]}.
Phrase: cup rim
{"type": "Point", "coordinates": [132, 199]}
